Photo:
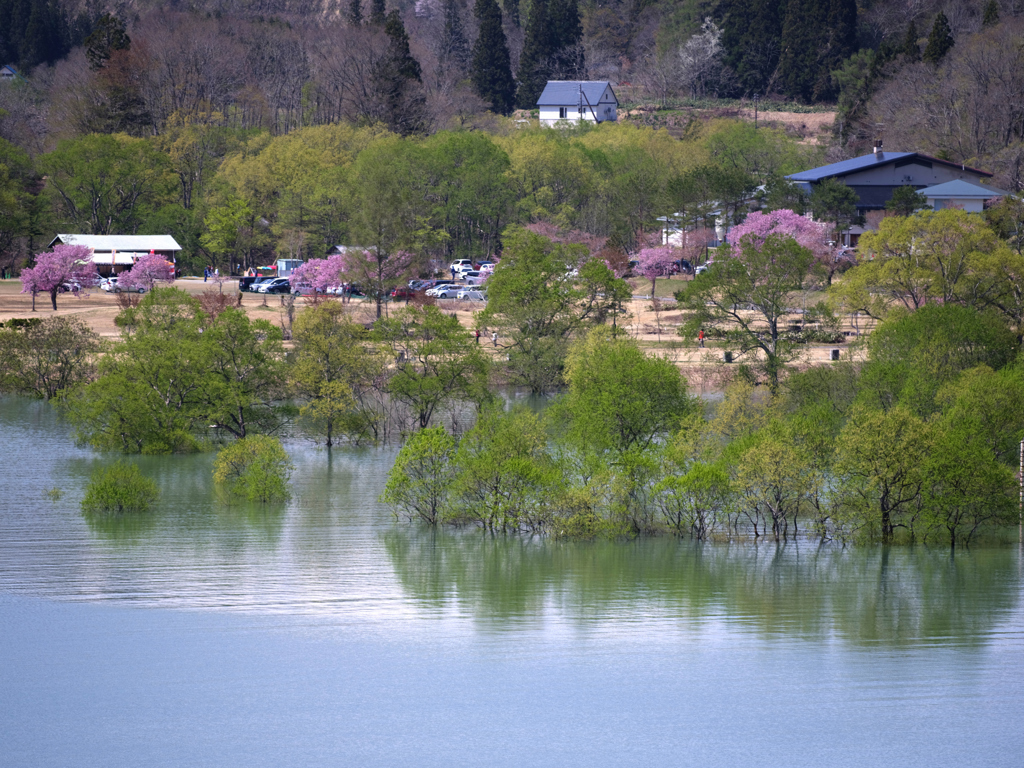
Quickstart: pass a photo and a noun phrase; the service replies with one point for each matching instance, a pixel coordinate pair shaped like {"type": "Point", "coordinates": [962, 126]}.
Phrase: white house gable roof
{"type": "Point", "coordinates": [566, 93]}
{"type": "Point", "coordinates": [136, 243]}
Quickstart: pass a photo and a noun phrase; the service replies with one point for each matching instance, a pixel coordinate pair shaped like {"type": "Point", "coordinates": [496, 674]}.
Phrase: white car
{"type": "Point", "coordinates": [445, 291]}
{"type": "Point", "coordinates": [460, 265]}
{"type": "Point", "coordinates": [703, 268]}
{"type": "Point", "coordinates": [486, 266]}
{"type": "Point", "coordinates": [471, 294]}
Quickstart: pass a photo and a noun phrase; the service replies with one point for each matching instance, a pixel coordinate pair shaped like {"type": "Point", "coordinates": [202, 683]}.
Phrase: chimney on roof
{"type": "Point", "coordinates": [878, 149]}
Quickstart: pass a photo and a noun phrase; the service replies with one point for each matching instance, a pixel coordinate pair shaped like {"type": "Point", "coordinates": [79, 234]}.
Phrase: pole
{"type": "Point", "coordinates": [1020, 507]}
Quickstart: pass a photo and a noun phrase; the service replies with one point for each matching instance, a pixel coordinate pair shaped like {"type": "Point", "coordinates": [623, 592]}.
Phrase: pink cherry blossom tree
{"type": "Point", "coordinates": [810, 234]}
{"type": "Point", "coordinates": [146, 272]}
{"type": "Point", "coordinates": [70, 264]}
{"type": "Point", "coordinates": [377, 275]}
{"type": "Point", "coordinates": [654, 262]}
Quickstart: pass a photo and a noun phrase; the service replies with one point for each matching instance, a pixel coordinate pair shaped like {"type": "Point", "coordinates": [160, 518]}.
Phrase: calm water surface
{"type": "Point", "coordinates": [321, 632]}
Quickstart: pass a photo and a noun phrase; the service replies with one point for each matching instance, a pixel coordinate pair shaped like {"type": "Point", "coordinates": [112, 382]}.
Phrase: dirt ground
{"type": "Point", "coordinates": [657, 330]}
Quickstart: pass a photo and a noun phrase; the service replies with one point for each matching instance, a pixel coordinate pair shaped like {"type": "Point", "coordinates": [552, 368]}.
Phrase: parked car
{"type": "Point", "coordinates": [682, 265]}
{"type": "Point", "coordinates": [110, 285]}
{"type": "Point", "coordinates": [277, 285]}
{"type": "Point", "coordinates": [444, 291]}
{"type": "Point", "coordinates": [475, 276]}
{"type": "Point", "coordinates": [703, 268]}
{"type": "Point", "coordinates": [246, 283]}
{"type": "Point", "coordinates": [403, 293]}
{"type": "Point", "coordinates": [486, 266]}
{"type": "Point", "coordinates": [461, 265]}
{"type": "Point", "coordinates": [418, 285]}
{"type": "Point", "coordinates": [471, 294]}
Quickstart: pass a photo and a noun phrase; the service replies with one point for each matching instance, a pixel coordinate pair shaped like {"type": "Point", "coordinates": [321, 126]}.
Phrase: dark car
{"type": "Point", "coordinates": [683, 266]}
{"type": "Point", "coordinates": [403, 293]}
{"type": "Point", "coordinates": [246, 283]}
{"type": "Point", "coordinates": [277, 285]}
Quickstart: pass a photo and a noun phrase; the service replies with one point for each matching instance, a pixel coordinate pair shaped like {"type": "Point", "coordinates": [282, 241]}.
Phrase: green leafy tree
{"type": "Point", "coordinates": [438, 361]}
{"type": "Point", "coordinates": [48, 358]}
{"type": "Point", "coordinates": [988, 405]}
{"type": "Point", "coordinates": [747, 294]}
{"type": "Point", "coordinates": [106, 184]}
{"type": "Point", "coordinates": [468, 192]}
{"type": "Point", "coordinates": [947, 256]}
{"type": "Point", "coordinates": [966, 488]}
{"type": "Point", "coordinates": [906, 201]}
{"type": "Point", "coordinates": [879, 466]}
{"type": "Point", "coordinates": [332, 371]}
{"type": "Point", "coordinates": [491, 70]}
{"type": "Point", "coordinates": [120, 488]}
{"type": "Point", "coordinates": [504, 475]}
{"type": "Point", "coordinates": [420, 480]}
{"type": "Point", "coordinates": [256, 468]}
{"type": "Point", "coordinates": [539, 306]}
{"type": "Point", "coordinates": [939, 41]}
{"type": "Point", "coordinates": [177, 373]}
{"type": "Point", "coordinates": [910, 357]}
{"type": "Point", "coordinates": [618, 397]}
{"type": "Point", "coordinates": [833, 202]}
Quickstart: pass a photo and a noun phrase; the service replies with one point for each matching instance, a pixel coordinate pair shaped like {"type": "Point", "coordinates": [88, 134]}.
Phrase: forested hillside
{"type": "Point", "coordinates": [194, 104]}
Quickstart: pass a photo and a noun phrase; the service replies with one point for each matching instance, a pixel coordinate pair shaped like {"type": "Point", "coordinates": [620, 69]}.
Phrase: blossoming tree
{"type": "Point", "coordinates": [810, 234]}
{"type": "Point", "coordinates": [67, 264]}
{"type": "Point", "coordinates": [146, 272]}
{"type": "Point", "coordinates": [655, 262]}
{"type": "Point", "coordinates": [376, 274]}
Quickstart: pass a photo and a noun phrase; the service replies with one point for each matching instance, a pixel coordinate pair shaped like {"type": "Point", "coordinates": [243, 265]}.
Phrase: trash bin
{"type": "Point", "coordinates": [833, 354]}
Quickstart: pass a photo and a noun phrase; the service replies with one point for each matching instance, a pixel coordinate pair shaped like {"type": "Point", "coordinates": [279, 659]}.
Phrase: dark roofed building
{"type": "Point", "coordinates": [576, 100]}
{"type": "Point", "coordinates": [874, 177]}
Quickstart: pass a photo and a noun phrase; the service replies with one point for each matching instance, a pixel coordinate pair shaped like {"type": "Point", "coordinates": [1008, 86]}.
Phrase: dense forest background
{"type": "Point", "coordinates": [188, 91]}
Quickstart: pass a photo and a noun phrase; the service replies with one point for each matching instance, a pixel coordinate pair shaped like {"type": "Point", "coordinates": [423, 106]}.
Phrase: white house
{"type": "Point", "coordinates": [960, 194]}
{"type": "Point", "coordinates": [576, 100]}
{"type": "Point", "coordinates": [8, 74]}
{"type": "Point", "coordinates": [116, 253]}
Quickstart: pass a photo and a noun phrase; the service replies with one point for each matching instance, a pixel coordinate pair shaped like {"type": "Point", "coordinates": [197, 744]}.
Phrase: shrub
{"type": "Point", "coordinates": [254, 468]}
{"type": "Point", "coordinates": [119, 488]}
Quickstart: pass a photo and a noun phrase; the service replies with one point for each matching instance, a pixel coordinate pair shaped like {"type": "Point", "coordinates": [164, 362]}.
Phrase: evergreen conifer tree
{"type": "Point", "coordinates": [377, 13]}
{"type": "Point", "coordinates": [939, 41]}
{"type": "Point", "coordinates": [397, 80]}
{"type": "Point", "coordinates": [355, 13]}
{"type": "Point", "coordinates": [751, 30]}
{"type": "Point", "coordinates": [567, 34]}
{"type": "Point", "coordinates": [802, 30]}
{"type": "Point", "coordinates": [492, 68]}
{"type": "Point", "coordinates": [108, 35]}
{"type": "Point", "coordinates": [535, 61]}
{"type": "Point", "coordinates": [454, 51]}
{"type": "Point", "coordinates": [910, 47]}
{"type": "Point", "coordinates": [512, 12]}
{"type": "Point", "coordinates": [991, 16]}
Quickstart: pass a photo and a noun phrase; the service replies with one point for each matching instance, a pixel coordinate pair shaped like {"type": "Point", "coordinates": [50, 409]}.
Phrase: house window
{"type": "Point", "coordinates": [563, 112]}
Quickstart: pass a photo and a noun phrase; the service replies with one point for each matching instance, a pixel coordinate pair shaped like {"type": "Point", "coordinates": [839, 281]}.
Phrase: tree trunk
{"type": "Point", "coordinates": [53, 298]}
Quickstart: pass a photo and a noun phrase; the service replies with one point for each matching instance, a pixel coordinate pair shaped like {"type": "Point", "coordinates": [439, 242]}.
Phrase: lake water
{"type": "Point", "coordinates": [324, 633]}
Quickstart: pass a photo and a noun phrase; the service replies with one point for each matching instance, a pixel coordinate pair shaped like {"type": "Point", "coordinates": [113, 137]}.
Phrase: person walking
{"type": "Point", "coordinates": [477, 335]}
{"type": "Point", "coordinates": [700, 338]}
{"type": "Point", "coordinates": [206, 273]}
{"type": "Point", "coordinates": [494, 338]}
